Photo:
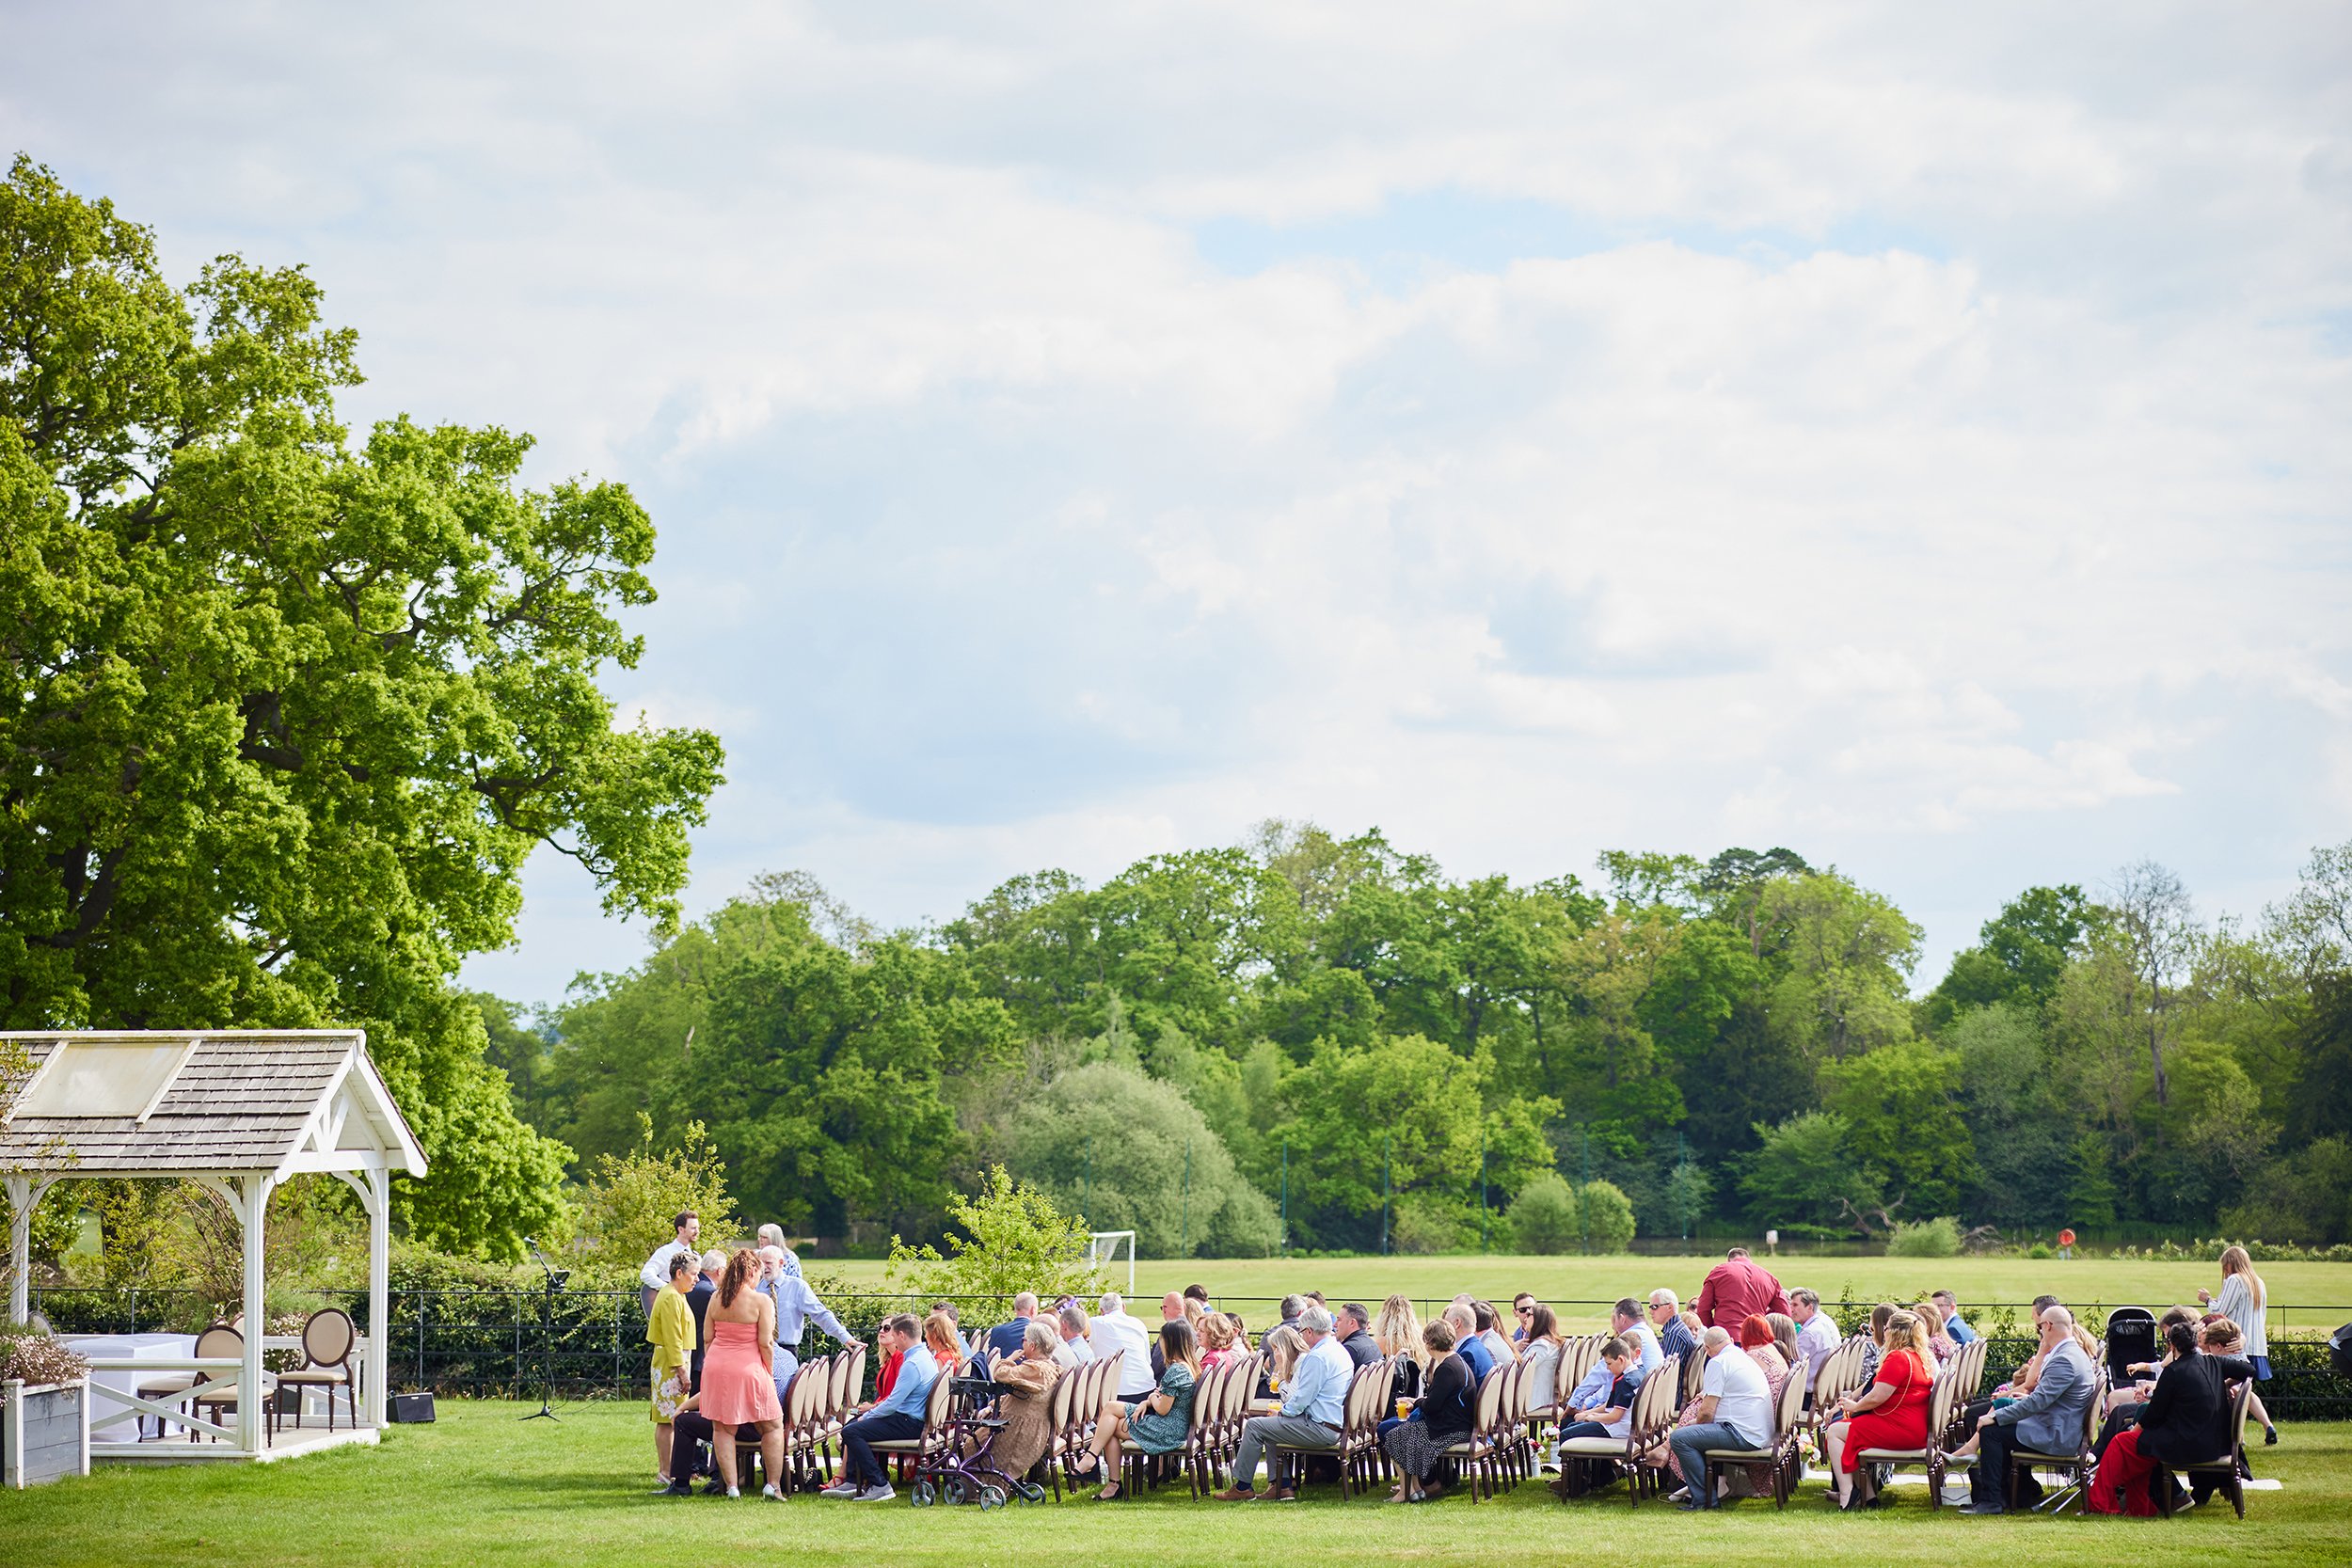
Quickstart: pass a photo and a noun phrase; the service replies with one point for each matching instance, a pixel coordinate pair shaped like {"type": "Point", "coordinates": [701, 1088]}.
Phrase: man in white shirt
{"type": "Point", "coordinates": [1625, 1322]}
{"type": "Point", "coordinates": [1817, 1337]}
{"type": "Point", "coordinates": [1115, 1329]}
{"type": "Point", "coordinates": [656, 1273]}
{"type": "Point", "coordinates": [1735, 1411]}
{"type": "Point", "coordinates": [1075, 1350]}
{"type": "Point", "coordinates": [1314, 1401]}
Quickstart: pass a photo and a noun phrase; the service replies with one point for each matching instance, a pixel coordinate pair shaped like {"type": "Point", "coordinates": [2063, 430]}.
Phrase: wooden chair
{"type": "Point", "coordinates": [1779, 1451]}
{"type": "Point", "coordinates": [1475, 1455]}
{"type": "Point", "coordinates": [1694, 1375]}
{"type": "Point", "coordinates": [222, 1341]}
{"type": "Point", "coordinates": [931, 1441]}
{"type": "Point", "coordinates": [328, 1339]}
{"type": "Point", "coordinates": [1840, 1374]}
{"type": "Point", "coordinates": [2227, 1466]}
{"type": "Point", "coordinates": [1932, 1458]}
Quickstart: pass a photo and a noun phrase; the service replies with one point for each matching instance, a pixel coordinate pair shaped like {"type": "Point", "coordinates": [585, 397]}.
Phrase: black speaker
{"type": "Point", "coordinates": [409, 1407]}
{"type": "Point", "coordinates": [2340, 1350]}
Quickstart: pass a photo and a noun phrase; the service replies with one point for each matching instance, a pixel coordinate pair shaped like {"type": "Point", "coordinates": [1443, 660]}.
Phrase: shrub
{"type": "Point", "coordinates": [1426, 1223]}
{"type": "Point", "coordinates": [1543, 1215]}
{"type": "Point", "coordinates": [1014, 1240]}
{"type": "Point", "coordinates": [1605, 1217]}
{"type": "Point", "coordinates": [1935, 1238]}
{"type": "Point", "coordinates": [2039, 1250]}
{"type": "Point", "coordinates": [38, 1358]}
{"type": "Point", "coordinates": [633, 1197]}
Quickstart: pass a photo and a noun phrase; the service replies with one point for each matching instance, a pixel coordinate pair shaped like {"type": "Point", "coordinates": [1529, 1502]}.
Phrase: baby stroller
{"type": "Point", "coordinates": [959, 1470]}
{"type": "Point", "coordinates": [2131, 1339]}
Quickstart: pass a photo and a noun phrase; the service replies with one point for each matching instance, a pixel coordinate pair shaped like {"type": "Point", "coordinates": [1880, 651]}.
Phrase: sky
{"type": "Point", "coordinates": [1913, 435]}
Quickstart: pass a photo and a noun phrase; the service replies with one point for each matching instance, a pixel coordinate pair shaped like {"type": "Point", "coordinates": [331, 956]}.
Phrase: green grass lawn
{"type": "Point", "coordinates": [480, 1487]}
{"type": "Point", "coordinates": [2324, 1291]}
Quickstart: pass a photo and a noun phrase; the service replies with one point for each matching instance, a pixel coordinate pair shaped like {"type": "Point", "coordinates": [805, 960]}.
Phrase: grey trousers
{"type": "Point", "coordinates": [1291, 1432]}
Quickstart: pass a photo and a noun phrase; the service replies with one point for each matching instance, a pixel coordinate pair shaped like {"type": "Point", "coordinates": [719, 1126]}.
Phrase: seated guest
{"type": "Point", "coordinates": [1216, 1340]}
{"type": "Point", "coordinates": [2048, 1420]}
{"type": "Point", "coordinates": [1416, 1444]}
{"type": "Point", "coordinates": [1353, 1326]}
{"type": "Point", "coordinates": [899, 1417]}
{"type": "Point", "coordinates": [1540, 1352]}
{"type": "Point", "coordinates": [1954, 1324]}
{"type": "Point", "coordinates": [1891, 1412]}
{"type": "Point", "coordinates": [2185, 1422]}
{"type": "Point", "coordinates": [1873, 1337]}
{"type": "Point", "coordinates": [2125, 1403]}
{"type": "Point", "coordinates": [1784, 1336]}
{"type": "Point", "coordinates": [1523, 1308]}
{"type": "Point", "coordinates": [1076, 1349]}
{"type": "Point", "coordinates": [1008, 1338]}
{"type": "Point", "coordinates": [1939, 1344]}
{"type": "Point", "coordinates": [1601, 1406]}
{"type": "Point", "coordinates": [1489, 1326]}
{"type": "Point", "coordinates": [1283, 1345]}
{"type": "Point", "coordinates": [1171, 1310]}
{"type": "Point", "coordinates": [1735, 1412]}
{"type": "Point", "coordinates": [1313, 1398]}
{"type": "Point", "coordinates": [1736, 1289]}
{"type": "Point", "coordinates": [670, 1331]}
{"type": "Point", "coordinates": [2218, 1335]}
{"type": "Point", "coordinates": [1115, 1330]}
{"type": "Point", "coordinates": [1398, 1335]}
{"type": "Point", "coordinates": [1757, 1344]}
{"type": "Point", "coordinates": [1026, 1379]}
{"type": "Point", "coordinates": [1196, 1292]}
{"type": "Point", "coordinates": [2021, 1382]}
{"type": "Point", "coordinates": [1817, 1335]}
{"type": "Point", "coordinates": [1289, 1309]}
{"type": "Point", "coordinates": [1625, 1322]}
{"type": "Point", "coordinates": [1156, 1425]}
{"type": "Point", "coordinates": [1674, 1335]}
{"type": "Point", "coordinates": [1468, 1342]}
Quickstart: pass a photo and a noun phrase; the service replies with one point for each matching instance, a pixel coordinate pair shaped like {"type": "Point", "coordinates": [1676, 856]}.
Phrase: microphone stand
{"type": "Point", "coordinates": [546, 1333]}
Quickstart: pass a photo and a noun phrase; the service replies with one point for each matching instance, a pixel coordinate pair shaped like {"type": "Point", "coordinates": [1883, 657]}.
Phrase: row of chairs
{"type": "Point", "coordinates": [328, 1340]}
{"type": "Point", "coordinates": [816, 1404]}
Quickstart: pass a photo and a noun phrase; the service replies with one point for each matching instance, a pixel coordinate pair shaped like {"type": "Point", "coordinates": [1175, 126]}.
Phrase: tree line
{"type": "Point", "coordinates": [1334, 1029]}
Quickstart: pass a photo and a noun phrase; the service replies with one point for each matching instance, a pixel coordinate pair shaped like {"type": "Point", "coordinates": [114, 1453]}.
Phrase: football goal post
{"type": "Point", "coordinates": [1103, 1252]}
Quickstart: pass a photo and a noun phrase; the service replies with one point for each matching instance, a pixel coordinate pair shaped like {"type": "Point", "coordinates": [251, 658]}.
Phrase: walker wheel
{"type": "Point", "coordinates": [1031, 1492]}
{"type": "Point", "coordinates": [922, 1496]}
{"type": "Point", "coordinates": [955, 1490]}
{"type": "Point", "coordinates": [992, 1496]}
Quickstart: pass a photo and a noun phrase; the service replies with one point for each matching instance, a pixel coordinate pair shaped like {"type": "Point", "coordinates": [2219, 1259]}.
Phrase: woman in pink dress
{"type": "Point", "coordinates": [739, 1381]}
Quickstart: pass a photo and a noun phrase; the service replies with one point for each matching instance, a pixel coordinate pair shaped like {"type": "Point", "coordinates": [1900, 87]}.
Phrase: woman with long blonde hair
{"type": "Point", "coordinates": [2245, 1300]}
{"type": "Point", "coordinates": [1892, 1413]}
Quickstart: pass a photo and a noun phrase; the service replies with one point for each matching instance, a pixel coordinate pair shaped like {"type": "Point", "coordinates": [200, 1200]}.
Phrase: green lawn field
{"type": "Point", "coordinates": [480, 1487]}
{"type": "Point", "coordinates": [2307, 1296]}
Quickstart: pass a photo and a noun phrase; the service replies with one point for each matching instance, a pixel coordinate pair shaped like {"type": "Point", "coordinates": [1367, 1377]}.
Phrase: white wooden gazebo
{"type": "Point", "coordinates": [238, 1111]}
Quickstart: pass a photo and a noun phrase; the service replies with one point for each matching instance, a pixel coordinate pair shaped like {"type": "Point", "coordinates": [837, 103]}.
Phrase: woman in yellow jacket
{"type": "Point", "coordinates": [669, 1330]}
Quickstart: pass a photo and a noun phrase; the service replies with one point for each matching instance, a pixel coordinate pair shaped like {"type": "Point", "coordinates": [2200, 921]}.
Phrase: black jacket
{"type": "Point", "coordinates": [1361, 1347]}
{"type": "Point", "coordinates": [1451, 1406]}
{"type": "Point", "coordinates": [2186, 1420]}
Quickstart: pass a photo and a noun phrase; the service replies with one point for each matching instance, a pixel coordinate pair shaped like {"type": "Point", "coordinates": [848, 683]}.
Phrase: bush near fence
{"type": "Point", "coordinates": [504, 1344]}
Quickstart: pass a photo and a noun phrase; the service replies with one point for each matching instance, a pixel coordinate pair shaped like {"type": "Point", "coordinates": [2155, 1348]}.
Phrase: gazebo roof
{"type": "Point", "coordinates": [174, 1102]}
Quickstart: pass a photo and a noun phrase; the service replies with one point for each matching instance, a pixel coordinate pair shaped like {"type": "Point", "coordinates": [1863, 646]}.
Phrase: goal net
{"type": "Point", "coordinates": [1103, 1252]}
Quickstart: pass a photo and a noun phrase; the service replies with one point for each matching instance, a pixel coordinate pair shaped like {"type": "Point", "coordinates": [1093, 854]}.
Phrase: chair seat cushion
{"type": "Point", "coordinates": [2035, 1456]}
{"type": "Point", "coordinates": [1593, 1448]}
{"type": "Point", "coordinates": [1740, 1454]}
{"type": "Point", "coordinates": [896, 1444]}
{"type": "Point", "coordinates": [1894, 1456]}
{"type": "Point", "coordinates": [315, 1376]}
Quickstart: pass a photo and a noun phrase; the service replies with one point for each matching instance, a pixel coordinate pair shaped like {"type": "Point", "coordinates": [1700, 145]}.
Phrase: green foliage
{"type": "Point", "coordinates": [1802, 1172]}
{"type": "Point", "coordinates": [283, 717]}
{"type": "Point", "coordinates": [634, 1198]}
{"type": "Point", "coordinates": [1848, 953]}
{"type": "Point", "coordinates": [1686, 1191]}
{"type": "Point", "coordinates": [2022, 951]}
{"type": "Point", "coordinates": [1430, 1223]}
{"type": "Point", "coordinates": [1903, 1122]}
{"type": "Point", "coordinates": [1935, 1238]}
{"type": "Point", "coordinates": [1012, 1239]}
{"type": "Point", "coordinates": [1544, 1216]}
{"type": "Point", "coordinates": [1129, 1152]}
{"type": "Point", "coordinates": [1604, 1218]}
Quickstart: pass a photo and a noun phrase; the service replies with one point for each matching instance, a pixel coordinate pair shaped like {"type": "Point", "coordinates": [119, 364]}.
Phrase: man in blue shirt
{"type": "Point", "coordinates": [898, 1418]}
{"type": "Point", "coordinates": [1665, 1316]}
{"type": "Point", "coordinates": [1005, 1338]}
{"type": "Point", "coordinates": [1958, 1330]}
{"type": "Point", "coordinates": [797, 1306]}
{"type": "Point", "coordinates": [1313, 1399]}
{"type": "Point", "coordinates": [1466, 1342]}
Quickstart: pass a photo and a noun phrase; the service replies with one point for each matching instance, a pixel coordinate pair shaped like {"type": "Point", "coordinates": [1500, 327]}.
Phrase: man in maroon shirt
{"type": "Point", "coordinates": [1736, 1289]}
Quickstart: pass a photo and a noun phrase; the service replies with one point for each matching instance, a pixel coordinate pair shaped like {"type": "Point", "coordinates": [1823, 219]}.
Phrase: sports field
{"type": "Point", "coordinates": [482, 1488]}
{"type": "Point", "coordinates": [2307, 1296]}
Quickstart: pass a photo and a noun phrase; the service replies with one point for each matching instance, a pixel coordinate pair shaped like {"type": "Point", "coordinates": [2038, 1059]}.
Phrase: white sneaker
{"type": "Point", "coordinates": [733, 1493]}
{"type": "Point", "coordinates": [882, 1493]}
{"type": "Point", "coordinates": [839, 1489]}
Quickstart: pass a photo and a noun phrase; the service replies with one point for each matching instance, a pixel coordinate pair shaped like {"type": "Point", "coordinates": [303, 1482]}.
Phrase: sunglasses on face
{"type": "Point", "coordinates": [1524, 1311]}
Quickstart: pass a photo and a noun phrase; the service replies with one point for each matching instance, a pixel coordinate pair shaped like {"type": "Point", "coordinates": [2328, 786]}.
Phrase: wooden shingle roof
{"type": "Point", "coordinates": [242, 1101]}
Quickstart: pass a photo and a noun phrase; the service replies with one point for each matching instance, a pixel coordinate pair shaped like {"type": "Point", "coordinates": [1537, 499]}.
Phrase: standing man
{"type": "Point", "coordinates": [714, 1265]}
{"type": "Point", "coordinates": [797, 1306]}
{"type": "Point", "coordinates": [1625, 1322]}
{"type": "Point", "coordinates": [1076, 1349]}
{"type": "Point", "coordinates": [1953, 1325]}
{"type": "Point", "coordinates": [1351, 1326]}
{"type": "Point", "coordinates": [656, 1273]}
{"type": "Point", "coordinates": [1114, 1330]}
{"type": "Point", "coordinates": [1005, 1338]}
{"type": "Point", "coordinates": [2048, 1420]}
{"type": "Point", "coordinates": [1735, 1411]}
{"type": "Point", "coordinates": [1817, 1337]}
{"type": "Point", "coordinates": [1737, 1289]}
{"type": "Point", "coordinates": [1674, 1335]}
{"type": "Point", "coordinates": [1311, 1410]}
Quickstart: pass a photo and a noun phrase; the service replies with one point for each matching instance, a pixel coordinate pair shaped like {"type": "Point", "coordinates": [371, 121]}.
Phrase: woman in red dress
{"type": "Point", "coordinates": [739, 1386]}
{"type": "Point", "coordinates": [1892, 1413]}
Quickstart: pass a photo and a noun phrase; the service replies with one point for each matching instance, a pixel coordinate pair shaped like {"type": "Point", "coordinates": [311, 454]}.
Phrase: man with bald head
{"type": "Point", "coordinates": [1005, 1338]}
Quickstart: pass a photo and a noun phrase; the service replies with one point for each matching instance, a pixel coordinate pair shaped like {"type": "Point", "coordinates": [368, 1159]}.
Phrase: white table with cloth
{"type": "Point", "coordinates": [106, 1416]}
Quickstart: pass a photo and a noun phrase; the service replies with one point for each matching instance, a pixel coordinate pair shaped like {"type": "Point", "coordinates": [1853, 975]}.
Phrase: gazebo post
{"type": "Point", "coordinates": [378, 1367]}
{"type": "Point", "coordinates": [253, 1193]}
{"type": "Point", "coordinates": [22, 1197]}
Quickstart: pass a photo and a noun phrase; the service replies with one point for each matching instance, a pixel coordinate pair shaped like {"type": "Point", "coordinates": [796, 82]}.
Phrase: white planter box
{"type": "Point", "coordinates": [44, 1431]}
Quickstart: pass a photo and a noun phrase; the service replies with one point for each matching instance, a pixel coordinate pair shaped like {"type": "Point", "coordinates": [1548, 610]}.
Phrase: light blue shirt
{"type": "Point", "coordinates": [1318, 1389]}
{"type": "Point", "coordinates": [797, 1306]}
{"type": "Point", "coordinates": [1959, 1332]}
{"type": "Point", "coordinates": [917, 1371]}
{"type": "Point", "coordinates": [1649, 1357]}
{"type": "Point", "coordinates": [1595, 1388]}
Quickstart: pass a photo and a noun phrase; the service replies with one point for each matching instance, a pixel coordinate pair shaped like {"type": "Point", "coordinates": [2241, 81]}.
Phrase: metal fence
{"type": "Point", "coordinates": [591, 1344]}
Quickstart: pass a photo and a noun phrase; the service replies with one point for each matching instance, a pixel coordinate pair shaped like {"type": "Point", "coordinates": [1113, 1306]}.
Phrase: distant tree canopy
{"type": "Point", "coordinates": [284, 715]}
{"type": "Point", "coordinates": [1354, 1036]}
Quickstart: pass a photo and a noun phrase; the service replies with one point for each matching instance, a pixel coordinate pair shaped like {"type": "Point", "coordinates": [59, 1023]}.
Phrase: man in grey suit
{"type": "Point", "coordinates": [2048, 1420]}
